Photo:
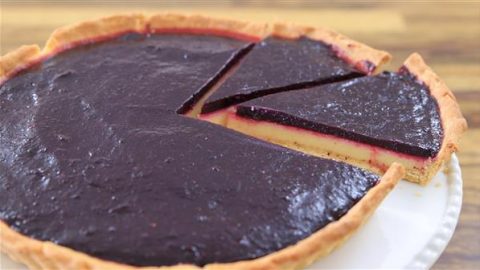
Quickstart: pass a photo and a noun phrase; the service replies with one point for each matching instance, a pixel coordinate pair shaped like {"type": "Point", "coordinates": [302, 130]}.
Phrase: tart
{"type": "Point", "coordinates": [103, 166]}
{"type": "Point", "coordinates": [409, 116]}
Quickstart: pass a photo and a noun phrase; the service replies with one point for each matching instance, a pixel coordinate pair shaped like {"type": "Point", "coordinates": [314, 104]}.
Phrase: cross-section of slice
{"type": "Point", "coordinates": [409, 116]}
{"type": "Point", "coordinates": [281, 63]}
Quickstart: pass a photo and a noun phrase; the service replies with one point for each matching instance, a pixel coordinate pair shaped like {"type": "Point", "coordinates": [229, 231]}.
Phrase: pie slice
{"type": "Point", "coordinates": [291, 60]}
{"type": "Point", "coordinates": [98, 171]}
{"type": "Point", "coordinates": [409, 117]}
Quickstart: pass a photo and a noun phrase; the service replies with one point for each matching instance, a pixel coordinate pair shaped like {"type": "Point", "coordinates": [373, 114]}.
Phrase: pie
{"type": "Point", "coordinates": [106, 162]}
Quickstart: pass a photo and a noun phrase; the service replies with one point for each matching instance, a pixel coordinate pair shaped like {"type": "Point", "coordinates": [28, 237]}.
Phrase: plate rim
{"type": "Point", "coordinates": [443, 234]}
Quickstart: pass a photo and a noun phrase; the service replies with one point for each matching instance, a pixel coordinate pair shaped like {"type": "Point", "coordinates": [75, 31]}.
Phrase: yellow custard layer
{"type": "Point", "coordinates": [374, 158]}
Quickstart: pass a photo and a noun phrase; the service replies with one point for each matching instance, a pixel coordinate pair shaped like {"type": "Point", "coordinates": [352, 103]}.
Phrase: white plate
{"type": "Point", "coordinates": [409, 230]}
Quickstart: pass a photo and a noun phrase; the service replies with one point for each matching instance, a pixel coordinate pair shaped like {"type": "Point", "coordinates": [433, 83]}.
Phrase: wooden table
{"type": "Point", "coordinates": [447, 35]}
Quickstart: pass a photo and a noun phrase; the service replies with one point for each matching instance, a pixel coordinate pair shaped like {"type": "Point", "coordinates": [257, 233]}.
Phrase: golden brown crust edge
{"type": "Point", "coordinates": [172, 21]}
{"type": "Point", "coordinates": [453, 122]}
{"type": "Point", "coordinates": [17, 60]}
{"type": "Point", "coordinates": [45, 255]}
{"type": "Point", "coordinates": [67, 36]}
{"type": "Point", "coordinates": [363, 57]}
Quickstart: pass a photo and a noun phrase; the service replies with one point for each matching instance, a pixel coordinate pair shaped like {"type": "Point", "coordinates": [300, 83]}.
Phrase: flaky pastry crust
{"type": "Point", "coordinates": [206, 25]}
{"type": "Point", "coordinates": [453, 122]}
{"type": "Point", "coordinates": [17, 60]}
{"type": "Point", "coordinates": [49, 256]}
{"type": "Point", "coordinates": [68, 36]}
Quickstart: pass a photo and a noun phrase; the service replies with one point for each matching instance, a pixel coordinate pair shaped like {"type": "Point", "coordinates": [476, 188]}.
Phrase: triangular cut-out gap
{"type": "Point", "coordinates": [197, 104]}
{"type": "Point", "coordinates": [240, 98]}
{"type": "Point", "coordinates": [194, 104]}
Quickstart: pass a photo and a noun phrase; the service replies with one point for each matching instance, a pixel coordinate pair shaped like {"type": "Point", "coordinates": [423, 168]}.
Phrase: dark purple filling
{"type": "Point", "coordinates": [94, 157]}
{"type": "Point", "coordinates": [276, 65]}
{"type": "Point", "coordinates": [389, 110]}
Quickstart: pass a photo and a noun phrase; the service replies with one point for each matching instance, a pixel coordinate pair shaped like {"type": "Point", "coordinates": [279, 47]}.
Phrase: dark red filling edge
{"type": "Point", "coordinates": [208, 31]}
{"type": "Point", "coordinates": [278, 117]}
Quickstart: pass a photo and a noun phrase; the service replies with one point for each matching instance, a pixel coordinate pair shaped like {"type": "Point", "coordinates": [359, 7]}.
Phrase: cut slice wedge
{"type": "Point", "coordinates": [409, 116]}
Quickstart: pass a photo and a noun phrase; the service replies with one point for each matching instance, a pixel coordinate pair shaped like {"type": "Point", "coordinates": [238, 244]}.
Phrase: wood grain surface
{"type": "Point", "coordinates": [447, 34]}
